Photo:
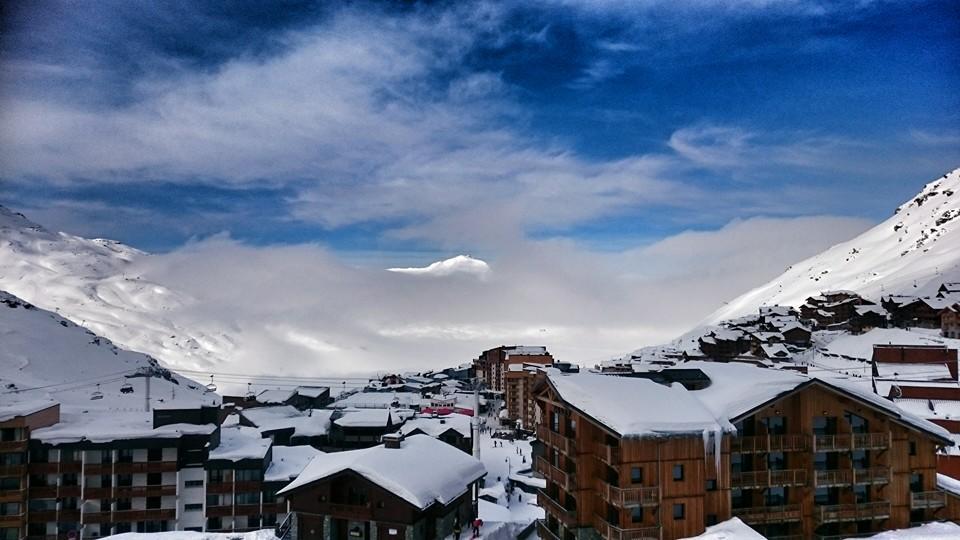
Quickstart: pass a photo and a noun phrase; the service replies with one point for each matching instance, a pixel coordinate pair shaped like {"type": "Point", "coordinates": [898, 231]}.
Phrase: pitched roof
{"type": "Point", "coordinates": [422, 471]}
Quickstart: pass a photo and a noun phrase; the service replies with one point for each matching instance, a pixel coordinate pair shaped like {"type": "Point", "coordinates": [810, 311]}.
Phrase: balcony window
{"type": "Point", "coordinates": [155, 454]}
{"type": "Point", "coordinates": [636, 514]}
{"type": "Point", "coordinates": [248, 498]}
{"type": "Point", "coordinates": [124, 480]}
{"type": "Point", "coordinates": [711, 484]}
{"type": "Point", "coordinates": [154, 479]}
{"type": "Point", "coordinates": [825, 425]}
{"type": "Point", "coordinates": [10, 483]}
{"type": "Point", "coordinates": [554, 422]}
{"type": "Point", "coordinates": [677, 473]}
{"type": "Point", "coordinates": [862, 493]}
{"type": "Point", "coordinates": [153, 503]}
{"type": "Point", "coordinates": [248, 475]}
{"type": "Point", "coordinates": [42, 505]}
{"type": "Point", "coordinates": [776, 496]}
{"type": "Point", "coordinates": [193, 483]}
{"type": "Point", "coordinates": [192, 507]}
{"type": "Point", "coordinates": [823, 495]}
{"type": "Point", "coordinates": [125, 455]}
{"type": "Point", "coordinates": [12, 458]}
{"type": "Point", "coordinates": [216, 476]}
{"type": "Point", "coordinates": [68, 455]}
{"type": "Point", "coordinates": [106, 456]}
{"type": "Point", "coordinates": [37, 455]}
{"type": "Point", "coordinates": [213, 500]}
{"type": "Point", "coordinates": [270, 496]}
{"type": "Point", "coordinates": [776, 461]}
{"type": "Point", "coordinates": [356, 496]}
{"type": "Point", "coordinates": [858, 424]}
{"type": "Point", "coordinates": [214, 524]}
{"type": "Point", "coordinates": [124, 504]}
{"type": "Point", "coordinates": [679, 510]}
{"type": "Point", "coordinates": [860, 459]}
{"type": "Point", "coordinates": [39, 480]}
{"type": "Point", "coordinates": [9, 533]}
{"type": "Point", "coordinates": [825, 461]}
{"type": "Point", "coordinates": [104, 506]}
{"type": "Point", "coordinates": [122, 528]}
{"type": "Point", "coordinates": [746, 427]}
{"type": "Point", "coordinates": [11, 434]}
{"type": "Point", "coordinates": [916, 483]}
{"type": "Point", "coordinates": [10, 509]}
{"type": "Point", "coordinates": [776, 425]}
{"type": "Point", "coordinates": [636, 475]}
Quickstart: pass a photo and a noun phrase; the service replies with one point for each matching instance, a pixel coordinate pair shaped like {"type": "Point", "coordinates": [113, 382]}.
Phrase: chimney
{"type": "Point", "coordinates": [392, 440]}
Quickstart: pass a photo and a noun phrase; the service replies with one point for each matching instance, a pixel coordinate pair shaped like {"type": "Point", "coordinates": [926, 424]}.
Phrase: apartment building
{"type": "Point", "coordinates": [16, 423]}
{"type": "Point", "coordinates": [790, 455]}
{"type": "Point", "coordinates": [518, 391]}
{"type": "Point", "coordinates": [492, 365]}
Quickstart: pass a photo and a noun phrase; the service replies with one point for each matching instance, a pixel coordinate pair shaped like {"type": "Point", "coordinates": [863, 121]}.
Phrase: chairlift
{"type": "Point", "coordinates": [211, 387]}
{"type": "Point", "coordinates": [96, 394]}
{"type": "Point", "coordinates": [127, 388]}
{"type": "Point", "coordinates": [250, 394]}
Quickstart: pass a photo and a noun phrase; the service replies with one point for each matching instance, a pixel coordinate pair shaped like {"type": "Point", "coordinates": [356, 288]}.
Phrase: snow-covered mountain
{"type": "Point", "coordinates": [910, 253]}
{"type": "Point", "coordinates": [45, 357]}
{"type": "Point", "coordinates": [94, 283]}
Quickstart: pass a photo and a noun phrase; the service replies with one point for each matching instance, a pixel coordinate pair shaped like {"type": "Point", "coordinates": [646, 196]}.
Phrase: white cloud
{"type": "Point", "coordinates": [461, 264]}
{"type": "Point", "coordinates": [301, 309]}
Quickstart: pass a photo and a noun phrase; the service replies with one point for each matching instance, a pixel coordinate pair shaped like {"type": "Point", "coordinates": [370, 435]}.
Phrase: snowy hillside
{"type": "Point", "coordinates": [90, 282]}
{"type": "Point", "coordinates": [45, 357]}
{"type": "Point", "coordinates": [917, 248]}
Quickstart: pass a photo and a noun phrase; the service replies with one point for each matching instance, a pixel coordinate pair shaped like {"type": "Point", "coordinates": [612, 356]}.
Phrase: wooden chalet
{"type": "Point", "coordinates": [789, 455]}
{"type": "Point", "coordinates": [412, 488]}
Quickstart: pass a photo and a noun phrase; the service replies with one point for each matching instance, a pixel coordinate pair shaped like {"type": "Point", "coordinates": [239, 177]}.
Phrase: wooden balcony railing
{"type": "Point", "coordinates": [847, 477]}
{"type": "Point", "coordinates": [14, 446]}
{"type": "Point", "coordinates": [851, 441]}
{"type": "Point", "coordinates": [557, 510]}
{"type": "Point", "coordinates": [12, 495]}
{"type": "Point", "coordinates": [610, 531]}
{"type": "Point", "coordinates": [629, 497]}
{"type": "Point", "coordinates": [12, 521]}
{"type": "Point", "coordinates": [769, 478]}
{"type": "Point", "coordinates": [566, 481]}
{"type": "Point", "coordinates": [769, 443]}
{"type": "Point", "coordinates": [928, 499]}
{"type": "Point", "coordinates": [545, 532]}
{"type": "Point", "coordinates": [135, 467]}
{"type": "Point", "coordinates": [561, 442]}
{"type": "Point", "coordinates": [609, 454]}
{"type": "Point", "coordinates": [852, 512]}
{"type": "Point", "coordinates": [769, 514]}
{"type": "Point", "coordinates": [219, 511]}
{"type": "Point", "coordinates": [13, 470]}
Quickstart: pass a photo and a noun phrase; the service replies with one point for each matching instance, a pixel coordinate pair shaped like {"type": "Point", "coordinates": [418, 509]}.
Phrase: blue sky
{"type": "Point", "coordinates": [434, 128]}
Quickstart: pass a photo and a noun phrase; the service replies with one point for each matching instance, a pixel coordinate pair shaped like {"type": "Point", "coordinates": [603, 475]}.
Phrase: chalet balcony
{"type": "Point", "coordinates": [145, 515]}
{"type": "Point", "coordinates": [928, 499]}
{"type": "Point", "coordinates": [566, 481]}
{"type": "Point", "coordinates": [14, 446]}
{"type": "Point", "coordinates": [135, 467]}
{"type": "Point", "coordinates": [847, 477]}
{"type": "Point", "coordinates": [13, 470]}
{"type": "Point", "coordinates": [769, 514]}
{"type": "Point", "coordinates": [851, 441]}
{"type": "Point", "coordinates": [769, 478]}
{"type": "Point", "coordinates": [561, 442]}
{"type": "Point", "coordinates": [566, 516]}
{"type": "Point", "coordinates": [610, 531]}
{"type": "Point", "coordinates": [852, 512]}
{"type": "Point", "coordinates": [629, 497]}
{"type": "Point", "coordinates": [12, 495]}
{"type": "Point", "coordinates": [769, 443]}
{"type": "Point", "coordinates": [609, 455]}
{"type": "Point", "coordinates": [98, 493]}
{"type": "Point", "coordinates": [358, 512]}
{"type": "Point", "coordinates": [15, 520]}
{"type": "Point", "coordinates": [219, 487]}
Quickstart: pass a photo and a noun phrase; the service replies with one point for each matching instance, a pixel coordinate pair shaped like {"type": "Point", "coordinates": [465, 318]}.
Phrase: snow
{"type": "Point", "coordinates": [422, 471]}
{"type": "Point", "coordinates": [8, 412]}
{"type": "Point", "coordinates": [378, 400]}
{"type": "Point", "coordinates": [311, 423]}
{"type": "Point", "coordinates": [287, 462]}
{"type": "Point", "coordinates": [366, 418]}
{"type": "Point", "coordinates": [732, 529]}
{"type": "Point", "coordinates": [46, 358]}
{"type": "Point", "coordinates": [96, 283]}
{"type": "Point", "coordinates": [948, 484]}
{"type": "Point", "coordinates": [910, 253]}
{"type": "Point", "coordinates": [312, 391]}
{"type": "Point", "coordinates": [99, 426]}
{"type": "Point", "coordinates": [240, 442]}
{"type": "Point", "coordinates": [927, 531]}
{"type": "Point", "coordinates": [913, 372]}
{"type": "Point", "coordinates": [274, 396]}
{"type": "Point", "coordinates": [635, 407]}
{"type": "Point", "coordinates": [461, 264]}
{"type": "Point", "coordinates": [514, 461]}
{"type": "Point", "coordinates": [264, 534]}
{"type": "Point", "coordinates": [861, 345]}
{"type": "Point", "coordinates": [432, 425]}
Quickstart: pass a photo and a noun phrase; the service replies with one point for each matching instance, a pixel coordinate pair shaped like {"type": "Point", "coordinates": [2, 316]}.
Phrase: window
{"type": "Point", "coordinates": [10, 509]}
{"type": "Point", "coordinates": [42, 505]}
{"type": "Point", "coordinates": [825, 425]}
{"type": "Point", "coordinates": [776, 425]}
{"type": "Point", "coordinates": [248, 498]}
{"type": "Point", "coordinates": [860, 459]}
{"type": "Point", "coordinates": [213, 500]}
{"type": "Point", "coordinates": [68, 455]}
{"type": "Point", "coordinates": [862, 493]}
{"type": "Point", "coordinates": [106, 456]}
{"type": "Point", "coordinates": [247, 475]}
{"type": "Point", "coordinates": [9, 533]}
{"type": "Point", "coordinates": [68, 479]}
{"type": "Point", "coordinates": [776, 496]}
{"type": "Point", "coordinates": [916, 483]}
{"type": "Point", "coordinates": [554, 421]}
{"type": "Point", "coordinates": [636, 475]}
{"type": "Point", "coordinates": [214, 524]}
{"type": "Point", "coordinates": [125, 480]}
{"type": "Point", "coordinates": [677, 473]}
{"type": "Point", "coordinates": [12, 458]}
{"type": "Point", "coordinates": [776, 461]}
{"type": "Point", "coordinates": [105, 480]}
{"type": "Point", "coordinates": [913, 448]}
{"type": "Point", "coordinates": [636, 514]}
{"type": "Point", "coordinates": [10, 483]}
{"type": "Point", "coordinates": [153, 503]}
{"type": "Point", "coordinates": [39, 480]}
{"type": "Point", "coordinates": [37, 455]}
{"type": "Point", "coordinates": [125, 455]}
{"type": "Point", "coordinates": [216, 476]}
{"type": "Point", "coordinates": [11, 434]}
{"type": "Point", "coordinates": [124, 504]}
{"type": "Point", "coordinates": [193, 483]}
{"type": "Point", "coordinates": [192, 507]}
{"type": "Point", "coordinates": [154, 479]}
{"type": "Point", "coordinates": [678, 511]}
{"type": "Point", "coordinates": [155, 454]}
{"type": "Point", "coordinates": [858, 424]}
{"type": "Point", "coordinates": [70, 503]}
{"type": "Point", "coordinates": [711, 484]}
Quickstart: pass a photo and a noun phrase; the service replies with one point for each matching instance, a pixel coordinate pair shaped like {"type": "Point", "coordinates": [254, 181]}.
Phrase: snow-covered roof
{"type": "Point", "coordinates": [289, 461]}
{"type": "Point", "coordinates": [775, 350]}
{"type": "Point", "coordinates": [239, 442]}
{"type": "Point", "coordinates": [435, 426]}
{"type": "Point", "coordinates": [870, 308]}
{"type": "Point", "coordinates": [635, 407]}
{"type": "Point", "coordinates": [9, 411]}
{"type": "Point", "coordinates": [421, 471]}
{"type": "Point", "coordinates": [312, 391]}
{"type": "Point", "coordinates": [365, 418]}
{"type": "Point", "coordinates": [909, 372]}
{"type": "Point", "coordinates": [731, 529]}
{"type": "Point", "coordinates": [106, 426]}
{"type": "Point", "coordinates": [938, 530]}
{"type": "Point", "coordinates": [378, 400]}
{"type": "Point", "coordinates": [526, 350]}
{"type": "Point", "coordinates": [311, 423]}
{"type": "Point", "coordinates": [275, 395]}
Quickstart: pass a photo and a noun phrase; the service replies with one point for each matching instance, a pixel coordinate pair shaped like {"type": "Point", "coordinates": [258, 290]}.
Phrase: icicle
{"type": "Point", "coordinates": [717, 449]}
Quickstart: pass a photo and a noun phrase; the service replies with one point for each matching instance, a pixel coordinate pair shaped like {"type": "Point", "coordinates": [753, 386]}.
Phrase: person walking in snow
{"type": "Point", "coordinates": [477, 523]}
{"type": "Point", "coordinates": [456, 529]}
